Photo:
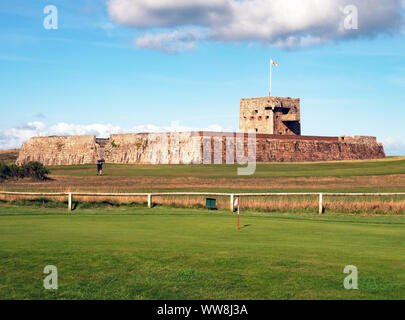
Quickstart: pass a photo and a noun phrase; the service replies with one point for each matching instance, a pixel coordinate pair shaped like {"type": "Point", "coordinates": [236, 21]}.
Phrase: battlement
{"type": "Point", "coordinates": [359, 139]}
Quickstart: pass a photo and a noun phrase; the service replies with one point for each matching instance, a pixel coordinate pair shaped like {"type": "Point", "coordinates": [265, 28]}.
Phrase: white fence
{"type": "Point", "coordinates": [231, 196]}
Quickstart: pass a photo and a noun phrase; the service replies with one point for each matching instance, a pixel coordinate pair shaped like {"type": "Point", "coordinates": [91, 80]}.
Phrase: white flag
{"type": "Point", "coordinates": [274, 63]}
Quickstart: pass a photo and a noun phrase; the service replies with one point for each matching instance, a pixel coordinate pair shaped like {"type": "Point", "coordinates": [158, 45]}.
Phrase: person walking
{"type": "Point", "coordinates": [100, 163]}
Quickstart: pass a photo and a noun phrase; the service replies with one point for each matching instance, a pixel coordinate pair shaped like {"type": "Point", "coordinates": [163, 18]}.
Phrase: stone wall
{"type": "Point", "coordinates": [59, 150]}
{"type": "Point", "coordinates": [359, 148]}
{"type": "Point", "coordinates": [195, 147]}
{"type": "Point", "coordinates": [275, 148]}
{"type": "Point", "coordinates": [163, 148]}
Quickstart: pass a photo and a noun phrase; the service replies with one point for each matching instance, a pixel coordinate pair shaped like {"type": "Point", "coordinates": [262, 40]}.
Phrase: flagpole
{"type": "Point", "coordinates": [270, 80]}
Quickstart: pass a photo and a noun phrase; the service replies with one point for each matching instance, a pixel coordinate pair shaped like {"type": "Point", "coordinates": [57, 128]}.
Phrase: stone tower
{"type": "Point", "coordinates": [270, 115]}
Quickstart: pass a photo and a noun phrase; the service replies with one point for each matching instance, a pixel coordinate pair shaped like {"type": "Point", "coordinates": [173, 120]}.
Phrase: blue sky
{"type": "Point", "coordinates": [119, 69]}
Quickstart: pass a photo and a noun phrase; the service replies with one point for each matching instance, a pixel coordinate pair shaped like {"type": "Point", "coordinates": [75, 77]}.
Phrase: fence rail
{"type": "Point", "coordinates": [231, 196]}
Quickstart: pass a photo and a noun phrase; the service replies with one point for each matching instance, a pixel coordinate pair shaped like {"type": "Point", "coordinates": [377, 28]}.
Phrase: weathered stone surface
{"type": "Point", "coordinates": [59, 150]}
{"type": "Point", "coordinates": [196, 147]}
{"type": "Point", "coordinates": [163, 148]}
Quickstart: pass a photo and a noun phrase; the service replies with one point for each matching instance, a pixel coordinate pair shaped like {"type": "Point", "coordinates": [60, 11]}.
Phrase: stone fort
{"type": "Point", "coordinates": [275, 121]}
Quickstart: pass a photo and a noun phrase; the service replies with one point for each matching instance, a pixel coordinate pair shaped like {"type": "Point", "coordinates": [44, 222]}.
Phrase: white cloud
{"type": "Point", "coordinates": [170, 42]}
{"type": "Point", "coordinates": [393, 147]}
{"type": "Point", "coordinates": [13, 137]}
{"type": "Point", "coordinates": [280, 23]}
{"type": "Point", "coordinates": [163, 13]}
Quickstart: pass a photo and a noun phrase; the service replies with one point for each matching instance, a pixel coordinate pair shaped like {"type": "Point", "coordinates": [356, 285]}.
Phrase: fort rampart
{"type": "Point", "coordinates": [196, 148]}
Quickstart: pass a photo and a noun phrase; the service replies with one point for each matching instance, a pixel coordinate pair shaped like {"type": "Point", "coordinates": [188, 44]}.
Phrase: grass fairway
{"type": "Point", "coordinates": [393, 165]}
{"type": "Point", "coordinates": [386, 175]}
{"type": "Point", "coordinates": [164, 253]}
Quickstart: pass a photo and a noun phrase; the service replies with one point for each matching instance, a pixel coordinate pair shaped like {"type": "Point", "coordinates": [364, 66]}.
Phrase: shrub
{"type": "Point", "coordinates": [36, 170]}
{"type": "Point", "coordinates": [4, 170]}
{"type": "Point", "coordinates": [32, 169]}
{"type": "Point", "coordinates": [16, 171]}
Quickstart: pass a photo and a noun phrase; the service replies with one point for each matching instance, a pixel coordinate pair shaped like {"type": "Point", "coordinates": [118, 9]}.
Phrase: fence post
{"type": "Point", "coordinates": [320, 203]}
{"type": "Point", "coordinates": [149, 200]}
{"type": "Point", "coordinates": [69, 201]}
{"type": "Point", "coordinates": [231, 204]}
